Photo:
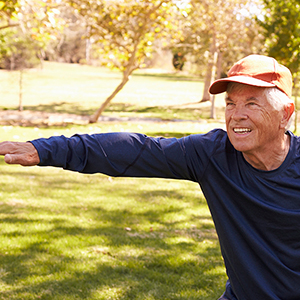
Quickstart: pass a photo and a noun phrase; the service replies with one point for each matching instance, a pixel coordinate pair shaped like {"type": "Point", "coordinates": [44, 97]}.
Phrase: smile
{"type": "Point", "coordinates": [241, 130]}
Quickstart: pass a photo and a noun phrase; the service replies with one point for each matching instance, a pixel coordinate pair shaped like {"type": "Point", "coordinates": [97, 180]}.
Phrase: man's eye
{"type": "Point", "coordinates": [229, 104]}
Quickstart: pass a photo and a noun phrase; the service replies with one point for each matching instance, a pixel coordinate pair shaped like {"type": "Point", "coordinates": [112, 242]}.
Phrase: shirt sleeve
{"type": "Point", "coordinates": [116, 154]}
{"type": "Point", "coordinates": [129, 154]}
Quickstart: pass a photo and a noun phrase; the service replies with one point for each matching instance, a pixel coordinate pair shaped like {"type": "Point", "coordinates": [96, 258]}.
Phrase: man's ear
{"type": "Point", "coordinates": [287, 113]}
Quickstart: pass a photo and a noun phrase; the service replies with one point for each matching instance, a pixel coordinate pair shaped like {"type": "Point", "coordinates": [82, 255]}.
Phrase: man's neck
{"type": "Point", "coordinates": [270, 160]}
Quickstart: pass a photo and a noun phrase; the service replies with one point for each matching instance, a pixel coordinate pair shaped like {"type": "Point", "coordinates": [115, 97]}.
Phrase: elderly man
{"type": "Point", "coordinates": [250, 175]}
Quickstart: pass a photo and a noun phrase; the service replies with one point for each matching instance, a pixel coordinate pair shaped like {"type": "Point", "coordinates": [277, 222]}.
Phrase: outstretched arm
{"type": "Point", "coordinates": [114, 154]}
{"type": "Point", "coordinates": [24, 154]}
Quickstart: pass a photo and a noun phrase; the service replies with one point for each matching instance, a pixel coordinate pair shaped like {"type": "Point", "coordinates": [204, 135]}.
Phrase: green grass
{"type": "Point", "coordinates": [81, 89]}
{"type": "Point", "coordinates": [66, 235]}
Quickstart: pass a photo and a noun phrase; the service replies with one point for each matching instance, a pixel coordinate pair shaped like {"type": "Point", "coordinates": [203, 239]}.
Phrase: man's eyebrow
{"type": "Point", "coordinates": [252, 98]}
{"type": "Point", "coordinates": [227, 98]}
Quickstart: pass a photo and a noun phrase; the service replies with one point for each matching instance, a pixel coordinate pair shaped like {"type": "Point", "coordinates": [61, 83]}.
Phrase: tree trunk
{"type": "Point", "coordinates": [219, 64]}
{"type": "Point", "coordinates": [21, 91]}
{"type": "Point", "coordinates": [131, 66]}
{"type": "Point", "coordinates": [206, 95]}
{"type": "Point", "coordinates": [88, 45]}
{"type": "Point", "coordinates": [213, 76]}
{"type": "Point", "coordinates": [208, 77]}
{"type": "Point", "coordinates": [94, 118]}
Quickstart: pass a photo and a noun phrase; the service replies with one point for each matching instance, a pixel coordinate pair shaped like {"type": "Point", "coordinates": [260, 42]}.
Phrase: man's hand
{"type": "Point", "coordinates": [20, 153]}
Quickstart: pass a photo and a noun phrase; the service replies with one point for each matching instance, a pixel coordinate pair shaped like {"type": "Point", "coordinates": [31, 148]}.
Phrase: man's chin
{"type": "Point", "coordinates": [240, 145]}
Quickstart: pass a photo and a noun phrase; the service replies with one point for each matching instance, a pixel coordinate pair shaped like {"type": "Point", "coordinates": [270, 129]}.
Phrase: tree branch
{"type": "Point", "coordinates": [8, 25]}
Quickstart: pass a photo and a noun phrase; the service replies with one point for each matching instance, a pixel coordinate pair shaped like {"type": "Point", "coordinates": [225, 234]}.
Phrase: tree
{"type": "Point", "coordinates": [26, 26]}
{"type": "Point", "coordinates": [7, 13]}
{"type": "Point", "coordinates": [17, 50]}
{"type": "Point", "coordinates": [125, 32]}
{"type": "Point", "coordinates": [221, 31]}
{"type": "Point", "coordinates": [281, 23]}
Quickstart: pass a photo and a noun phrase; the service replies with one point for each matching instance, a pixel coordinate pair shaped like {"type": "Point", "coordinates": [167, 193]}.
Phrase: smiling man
{"type": "Point", "coordinates": [258, 110]}
{"type": "Point", "coordinates": [250, 175]}
{"type": "Point", "coordinates": [256, 128]}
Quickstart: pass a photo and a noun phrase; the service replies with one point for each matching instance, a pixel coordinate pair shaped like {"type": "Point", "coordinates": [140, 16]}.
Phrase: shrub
{"type": "Point", "coordinates": [17, 51]}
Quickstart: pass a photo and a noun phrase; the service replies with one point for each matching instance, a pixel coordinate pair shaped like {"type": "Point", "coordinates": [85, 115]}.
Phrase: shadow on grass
{"type": "Point", "coordinates": [162, 270]}
{"type": "Point", "coordinates": [61, 107]}
{"type": "Point", "coordinates": [52, 255]}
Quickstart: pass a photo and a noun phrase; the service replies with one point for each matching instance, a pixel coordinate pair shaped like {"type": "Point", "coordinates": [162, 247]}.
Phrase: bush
{"type": "Point", "coordinates": [17, 51]}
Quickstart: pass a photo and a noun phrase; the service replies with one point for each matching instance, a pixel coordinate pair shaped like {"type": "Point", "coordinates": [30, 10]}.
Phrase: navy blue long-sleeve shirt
{"type": "Point", "coordinates": [256, 213]}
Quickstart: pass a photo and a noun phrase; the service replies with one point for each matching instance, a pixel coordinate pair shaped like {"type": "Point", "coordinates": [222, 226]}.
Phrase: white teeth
{"type": "Point", "coordinates": [241, 130]}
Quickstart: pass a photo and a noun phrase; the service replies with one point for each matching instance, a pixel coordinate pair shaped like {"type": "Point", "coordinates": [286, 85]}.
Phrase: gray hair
{"type": "Point", "coordinates": [278, 99]}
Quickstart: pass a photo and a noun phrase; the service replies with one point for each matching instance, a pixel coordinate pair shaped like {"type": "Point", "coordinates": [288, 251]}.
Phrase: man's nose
{"type": "Point", "coordinates": [239, 113]}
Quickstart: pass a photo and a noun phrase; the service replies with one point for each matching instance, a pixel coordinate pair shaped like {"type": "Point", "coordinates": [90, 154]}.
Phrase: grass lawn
{"type": "Point", "coordinates": [73, 236]}
{"type": "Point", "coordinates": [81, 89]}
{"type": "Point", "coordinates": [66, 235]}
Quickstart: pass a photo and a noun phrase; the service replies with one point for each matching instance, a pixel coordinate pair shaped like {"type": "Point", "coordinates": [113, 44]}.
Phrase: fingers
{"type": "Point", "coordinates": [20, 159]}
{"type": "Point", "coordinates": [8, 158]}
{"type": "Point", "coordinates": [24, 154]}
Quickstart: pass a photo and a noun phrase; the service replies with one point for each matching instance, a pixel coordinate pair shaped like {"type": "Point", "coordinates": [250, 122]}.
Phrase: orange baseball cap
{"type": "Point", "coordinates": [256, 70]}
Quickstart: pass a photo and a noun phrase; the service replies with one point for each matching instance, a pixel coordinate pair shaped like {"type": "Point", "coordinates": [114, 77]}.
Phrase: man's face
{"type": "Point", "coordinates": [254, 127]}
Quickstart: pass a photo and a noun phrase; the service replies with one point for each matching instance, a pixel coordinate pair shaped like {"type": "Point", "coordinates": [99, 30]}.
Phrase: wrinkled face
{"type": "Point", "coordinates": [253, 125]}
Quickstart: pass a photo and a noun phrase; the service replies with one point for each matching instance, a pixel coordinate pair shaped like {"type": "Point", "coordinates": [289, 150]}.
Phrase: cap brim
{"type": "Point", "coordinates": [220, 85]}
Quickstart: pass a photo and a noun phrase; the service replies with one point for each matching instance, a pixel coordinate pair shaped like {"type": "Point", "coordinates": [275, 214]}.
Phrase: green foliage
{"type": "Point", "coordinates": [226, 26]}
{"type": "Point", "coordinates": [25, 29]}
{"type": "Point", "coordinates": [126, 30]}
{"type": "Point", "coordinates": [17, 51]}
{"type": "Point", "coordinates": [8, 10]}
{"type": "Point", "coordinates": [282, 31]}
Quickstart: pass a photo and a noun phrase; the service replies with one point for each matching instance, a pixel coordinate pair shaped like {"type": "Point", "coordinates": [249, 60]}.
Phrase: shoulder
{"type": "Point", "coordinates": [294, 145]}
{"type": "Point", "coordinates": [295, 141]}
{"type": "Point", "coordinates": [214, 134]}
{"type": "Point", "coordinates": [213, 142]}
{"type": "Point", "coordinates": [214, 138]}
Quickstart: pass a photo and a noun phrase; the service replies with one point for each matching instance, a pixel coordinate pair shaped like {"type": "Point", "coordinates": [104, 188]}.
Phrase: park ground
{"type": "Point", "coordinates": [66, 235]}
